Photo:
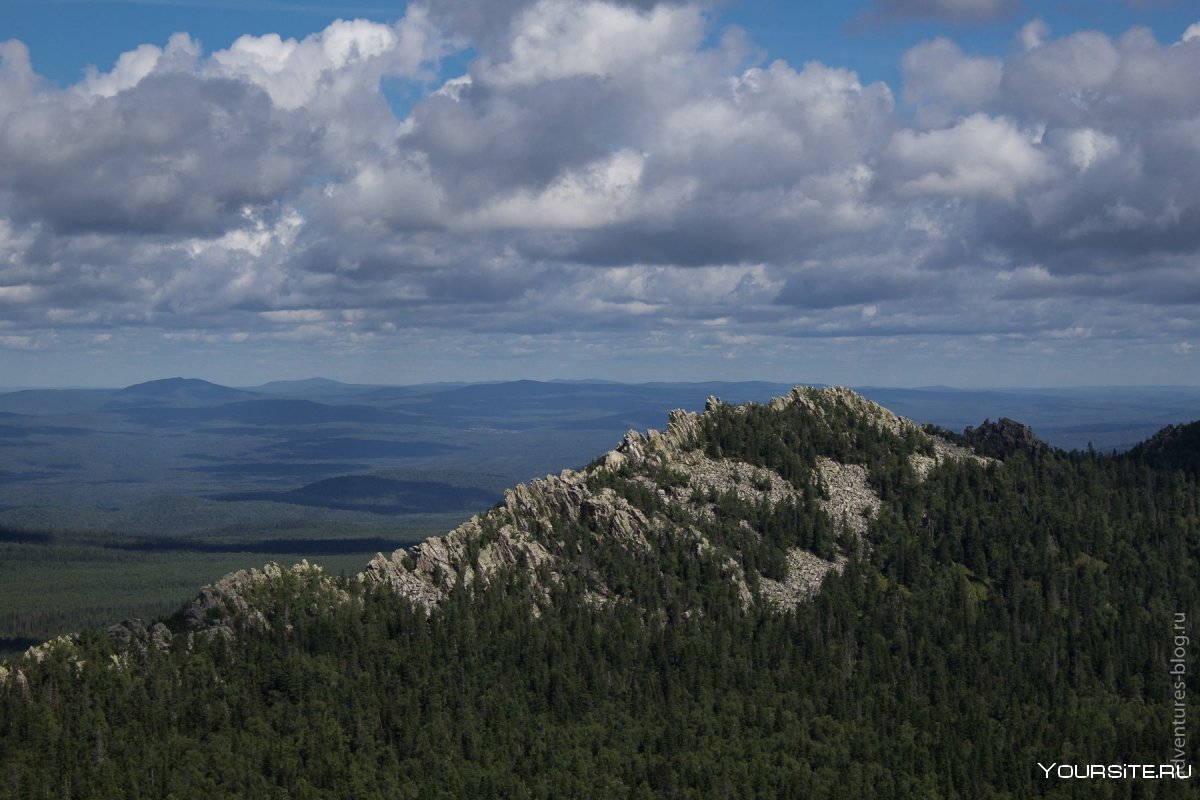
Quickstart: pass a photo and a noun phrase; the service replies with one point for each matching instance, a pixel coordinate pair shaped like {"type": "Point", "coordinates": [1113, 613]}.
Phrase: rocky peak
{"type": "Point", "coordinates": [1003, 438]}
{"type": "Point", "coordinates": [526, 529]}
{"type": "Point", "coordinates": [220, 607]}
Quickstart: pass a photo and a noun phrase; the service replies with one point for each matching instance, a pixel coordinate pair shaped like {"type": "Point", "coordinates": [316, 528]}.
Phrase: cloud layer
{"type": "Point", "coordinates": [606, 176]}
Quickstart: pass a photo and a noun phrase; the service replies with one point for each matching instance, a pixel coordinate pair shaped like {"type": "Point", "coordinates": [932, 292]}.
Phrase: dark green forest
{"type": "Point", "coordinates": [1004, 615]}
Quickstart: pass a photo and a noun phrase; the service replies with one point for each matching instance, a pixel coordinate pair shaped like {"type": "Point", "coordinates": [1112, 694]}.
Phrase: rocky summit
{"type": "Point", "coordinates": [669, 485]}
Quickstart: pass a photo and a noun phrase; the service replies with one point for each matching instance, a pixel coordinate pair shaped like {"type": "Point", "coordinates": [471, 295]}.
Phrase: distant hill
{"type": "Point", "coordinates": [378, 495]}
{"type": "Point", "coordinates": [182, 390]}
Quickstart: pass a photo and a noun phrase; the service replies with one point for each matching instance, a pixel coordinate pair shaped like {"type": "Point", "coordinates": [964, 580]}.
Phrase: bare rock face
{"type": "Point", "coordinates": [805, 573]}
{"type": "Point", "coordinates": [40, 652]}
{"type": "Point", "coordinates": [654, 448]}
{"type": "Point", "coordinates": [821, 402]}
{"type": "Point", "coordinates": [219, 602]}
{"type": "Point", "coordinates": [160, 637]}
{"type": "Point", "coordinates": [943, 450]}
{"type": "Point", "coordinates": [848, 499]}
{"type": "Point", "coordinates": [15, 678]}
{"type": "Point", "coordinates": [521, 533]}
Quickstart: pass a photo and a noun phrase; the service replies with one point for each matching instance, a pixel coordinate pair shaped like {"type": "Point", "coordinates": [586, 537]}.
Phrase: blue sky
{"type": "Point", "coordinates": [66, 36]}
{"type": "Point", "coordinates": [898, 192]}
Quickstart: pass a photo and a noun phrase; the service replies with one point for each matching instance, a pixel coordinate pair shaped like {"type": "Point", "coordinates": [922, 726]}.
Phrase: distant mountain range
{"type": "Point", "coordinates": [116, 447]}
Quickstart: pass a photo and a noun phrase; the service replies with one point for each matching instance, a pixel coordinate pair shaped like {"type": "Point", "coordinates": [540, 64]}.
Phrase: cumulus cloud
{"type": "Point", "coordinates": [978, 157]}
{"type": "Point", "coordinates": [552, 40]}
{"type": "Point", "coordinates": [172, 154]}
{"type": "Point", "coordinates": [942, 81]}
{"type": "Point", "coordinates": [1033, 33]}
{"type": "Point", "coordinates": [18, 83]}
{"type": "Point", "coordinates": [595, 197]}
{"type": "Point", "coordinates": [347, 56]}
{"type": "Point", "coordinates": [599, 169]}
{"type": "Point", "coordinates": [180, 55]}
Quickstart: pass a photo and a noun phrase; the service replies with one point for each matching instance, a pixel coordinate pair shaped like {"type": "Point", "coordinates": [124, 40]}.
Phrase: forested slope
{"type": "Point", "coordinates": [811, 598]}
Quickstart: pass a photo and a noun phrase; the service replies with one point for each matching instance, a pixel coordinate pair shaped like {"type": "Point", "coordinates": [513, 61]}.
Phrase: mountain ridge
{"type": "Point", "coordinates": [426, 572]}
{"type": "Point", "coordinates": [683, 487]}
{"type": "Point", "coordinates": [523, 531]}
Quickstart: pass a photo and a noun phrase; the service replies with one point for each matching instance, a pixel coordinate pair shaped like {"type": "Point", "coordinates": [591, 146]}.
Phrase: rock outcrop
{"type": "Point", "coordinates": [220, 608]}
{"type": "Point", "coordinates": [1003, 438]}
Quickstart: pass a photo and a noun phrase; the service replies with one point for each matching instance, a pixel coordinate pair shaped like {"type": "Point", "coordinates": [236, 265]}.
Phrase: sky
{"type": "Point", "coordinates": [884, 192]}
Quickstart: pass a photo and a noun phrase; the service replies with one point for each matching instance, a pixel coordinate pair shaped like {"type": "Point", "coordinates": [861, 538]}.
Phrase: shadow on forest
{"type": "Point", "coordinates": [292, 546]}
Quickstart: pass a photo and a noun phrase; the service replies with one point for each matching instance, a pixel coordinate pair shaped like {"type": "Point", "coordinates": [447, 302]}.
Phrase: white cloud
{"type": "Point", "coordinates": [554, 39]}
{"type": "Point", "coordinates": [594, 197]}
{"type": "Point", "coordinates": [18, 82]}
{"type": "Point", "coordinates": [294, 72]}
{"type": "Point", "coordinates": [620, 152]}
{"type": "Point", "coordinates": [133, 67]}
{"type": "Point", "coordinates": [1086, 146]}
{"type": "Point", "coordinates": [942, 80]}
{"type": "Point", "coordinates": [1033, 33]}
{"type": "Point", "coordinates": [980, 157]}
